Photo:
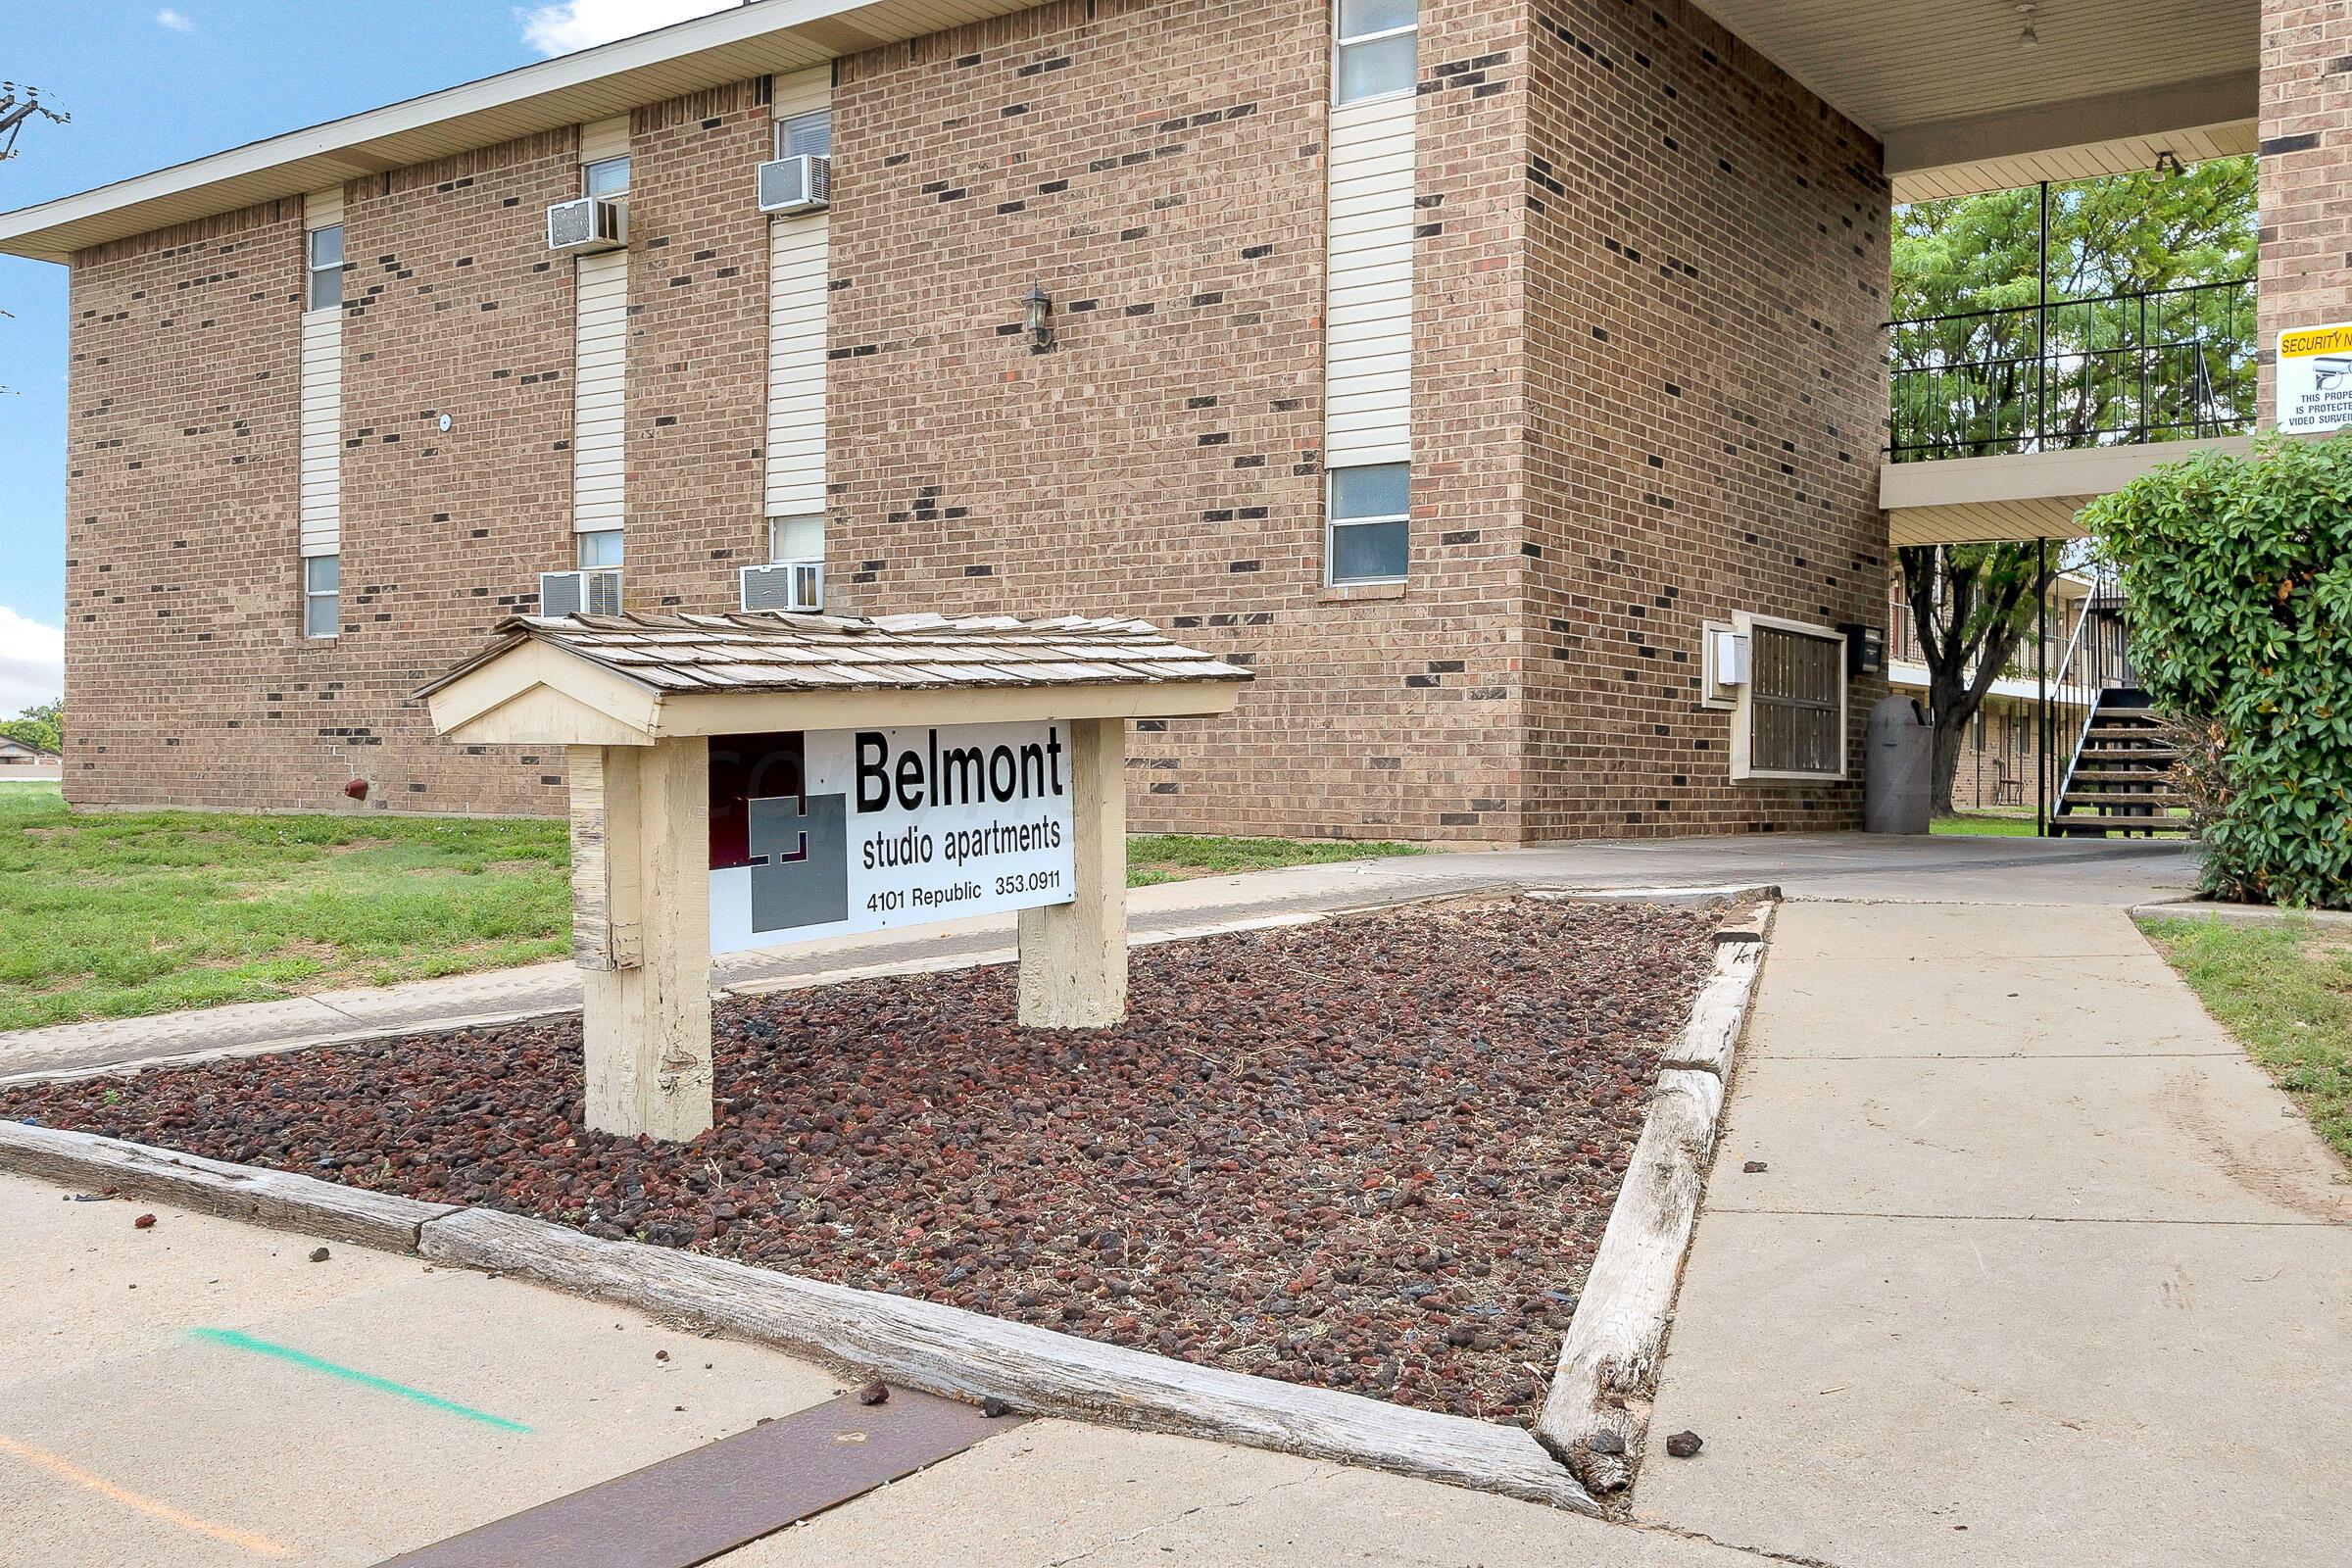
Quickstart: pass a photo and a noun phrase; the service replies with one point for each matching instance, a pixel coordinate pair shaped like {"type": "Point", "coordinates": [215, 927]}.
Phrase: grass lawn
{"type": "Point", "coordinates": [117, 914]}
{"type": "Point", "coordinates": [1173, 857]}
{"type": "Point", "coordinates": [1989, 823]}
{"type": "Point", "coordinates": [2286, 992]}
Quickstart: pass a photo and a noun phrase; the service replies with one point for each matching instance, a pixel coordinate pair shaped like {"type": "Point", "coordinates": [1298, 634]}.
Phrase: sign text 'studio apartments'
{"type": "Point", "coordinates": [1455, 365]}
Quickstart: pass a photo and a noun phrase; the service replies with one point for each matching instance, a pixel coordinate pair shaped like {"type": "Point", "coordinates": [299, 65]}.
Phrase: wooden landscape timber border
{"type": "Point", "coordinates": [918, 1344]}
{"type": "Point", "coordinates": [1609, 1354]}
{"type": "Point", "coordinates": [1595, 1417]}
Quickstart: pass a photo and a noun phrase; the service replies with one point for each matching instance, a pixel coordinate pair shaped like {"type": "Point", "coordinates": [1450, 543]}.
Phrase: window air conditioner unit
{"type": "Point", "coordinates": [802, 185]}
{"type": "Point", "coordinates": [798, 585]}
{"type": "Point", "coordinates": [586, 225]}
{"type": "Point", "coordinates": [594, 591]}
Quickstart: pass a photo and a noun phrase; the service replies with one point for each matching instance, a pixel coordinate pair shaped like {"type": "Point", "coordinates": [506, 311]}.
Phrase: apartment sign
{"type": "Point", "coordinates": [2314, 380]}
{"type": "Point", "coordinates": [817, 833]}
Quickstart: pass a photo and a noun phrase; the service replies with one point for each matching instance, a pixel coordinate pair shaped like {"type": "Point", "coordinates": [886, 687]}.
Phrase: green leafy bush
{"type": "Point", "coordinates": [2238, 571]}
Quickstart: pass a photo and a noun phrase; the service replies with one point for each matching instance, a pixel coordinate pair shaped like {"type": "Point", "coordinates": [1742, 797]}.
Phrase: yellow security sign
{"type": "Point", "coordinates": [2315, 378]}
{"type": "Point", "coordinates": [2309, 340]}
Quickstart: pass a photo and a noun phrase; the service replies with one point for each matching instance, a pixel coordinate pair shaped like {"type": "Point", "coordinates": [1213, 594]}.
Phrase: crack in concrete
{"type": "Point", "coordinates": [1678, 1533]}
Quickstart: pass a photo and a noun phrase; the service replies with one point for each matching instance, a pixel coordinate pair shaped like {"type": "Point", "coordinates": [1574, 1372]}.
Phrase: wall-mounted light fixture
{"type": "Point", "coordinates": [1865, 649]}
{"type": "Point", "coordinates": [1037, 314]}
{"type": "Point", "coordinates": [2027, 36]}
{"type": "Point", "coordinates": [2169, 165]}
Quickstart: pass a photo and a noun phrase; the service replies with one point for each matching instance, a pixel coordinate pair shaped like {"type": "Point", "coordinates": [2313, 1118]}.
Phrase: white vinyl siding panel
{"type": "Point", "coordinates": [600, 139]}
{"type": "Point", "coordinates": [321, 426]}
{"type": "Point", "coordinates": [322, 208]}
{"type": "Point", "coordinates": [1368, 293]}
{"type": "Point", "coordinates": [599, 393]}
{"type": "Point", "coordinates": [798, 271]}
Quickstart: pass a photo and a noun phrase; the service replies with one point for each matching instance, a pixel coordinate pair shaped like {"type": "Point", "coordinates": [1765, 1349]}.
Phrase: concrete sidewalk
{"type": "Point", "coordinates": [127, 1438]}
{"type": "Point", "coordinates": [130, 1433]}
{"type": "Point", "coordinates": [2040, 1267]}
{"type": "Point", "coordinates": [1845, 865]}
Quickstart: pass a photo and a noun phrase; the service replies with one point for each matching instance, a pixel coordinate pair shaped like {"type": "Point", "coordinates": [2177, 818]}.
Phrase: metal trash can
{"type": "Point", "coordinates": [1897, 786]}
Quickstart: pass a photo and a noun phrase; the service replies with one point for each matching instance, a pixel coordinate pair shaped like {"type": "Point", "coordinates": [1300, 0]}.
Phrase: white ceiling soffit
{"type": "Point", "coordinates": [1963, 107]}
{"type": "Point", "coordinates": [749, 40]}
{"type": "Point", "coordinates": [2030, 495]}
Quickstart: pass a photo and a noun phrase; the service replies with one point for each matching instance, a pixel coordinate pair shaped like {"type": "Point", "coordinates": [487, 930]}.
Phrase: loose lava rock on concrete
{"type": "Point", "coordinates": [1373, 1153]}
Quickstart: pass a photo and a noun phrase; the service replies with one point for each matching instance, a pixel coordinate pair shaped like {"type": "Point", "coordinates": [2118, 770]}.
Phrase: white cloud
{"type": "Point", "coordinates": [569, 24]}
{"type": "Point", "coordinates": [177, 22]}
{"type": "Point", "coordinates": [32, 662]}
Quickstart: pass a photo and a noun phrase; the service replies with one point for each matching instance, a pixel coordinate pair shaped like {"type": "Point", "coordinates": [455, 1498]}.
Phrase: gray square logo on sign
{"type": "Point", "coordinates": [800, 862]}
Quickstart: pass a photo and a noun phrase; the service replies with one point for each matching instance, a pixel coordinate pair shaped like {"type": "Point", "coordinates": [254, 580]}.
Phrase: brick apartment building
{"type": "Point", "coordinates": [1459, 365]}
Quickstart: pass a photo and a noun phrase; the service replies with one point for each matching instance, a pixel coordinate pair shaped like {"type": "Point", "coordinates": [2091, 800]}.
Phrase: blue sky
{"type": "Point", "coordinates": [150, 85]}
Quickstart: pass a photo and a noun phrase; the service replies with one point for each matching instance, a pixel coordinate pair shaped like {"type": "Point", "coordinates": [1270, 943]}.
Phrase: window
{"type": "Point", "coordinates": [796, 538]}
{"type": "Point", "coordinates": [1791, 724]}
{"type": "Point", "coordinates": [1376, 46]}
{"type": "Point", "coordinates": [325, 258]}
{"type": "Point", "coordinates": [1369, 529]}
{"type": "Point", "coordinates": [804, 134]}
{"type": "Point", "coordinates": [599, 549]}
{"type": "Point", "coordinates": [798, 543]}
{"type": "Point", "coordinates": [608, 179]}
{"type": "Point", "coordinates": [322, 595]}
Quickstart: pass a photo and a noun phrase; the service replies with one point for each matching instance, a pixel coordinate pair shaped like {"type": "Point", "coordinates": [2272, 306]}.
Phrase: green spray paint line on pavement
{"type": "Point", "coordinates": [366, 1379]}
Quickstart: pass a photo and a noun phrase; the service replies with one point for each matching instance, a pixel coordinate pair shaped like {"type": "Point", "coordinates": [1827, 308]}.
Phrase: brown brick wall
{"type": "Point", "coordinates": [179, 501]}
{"type": "Point", "coordinates": [1708, 254]}
{"type": "Point", "coordinates": [2305, 168]}
{"type": "Point", "coordinates": [698, 350]}
{"type": "Point", "coordinates": [1159, 169]}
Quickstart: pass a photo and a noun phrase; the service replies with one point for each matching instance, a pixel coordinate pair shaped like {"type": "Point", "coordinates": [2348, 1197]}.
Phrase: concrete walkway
{"type": "Point", "coordinates": [131, 1433]}
{"type": "Point", "coordinates": [1820, 865]}
{"type": "Point", "coordinates": [2040, 1269]}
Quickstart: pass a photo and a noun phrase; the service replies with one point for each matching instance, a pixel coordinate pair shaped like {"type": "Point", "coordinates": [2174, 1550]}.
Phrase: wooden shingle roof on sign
{"type": "Point", "coordinates": [679, 674]}
{"type": "Point", "coordinates": [783, 652]}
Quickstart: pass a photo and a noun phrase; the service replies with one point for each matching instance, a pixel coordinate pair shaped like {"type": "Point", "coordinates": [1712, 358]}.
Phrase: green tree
{"type": "Point", "coordinates": [43, 724]}
{"type": "Point", "coordinates": [2239, 572]}
{"type": "Point", "coordinates": [1978, 362]}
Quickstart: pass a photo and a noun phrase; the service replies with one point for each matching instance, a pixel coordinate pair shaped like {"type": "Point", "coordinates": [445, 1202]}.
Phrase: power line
{"type": "Point", "coordinates": [18, 104]}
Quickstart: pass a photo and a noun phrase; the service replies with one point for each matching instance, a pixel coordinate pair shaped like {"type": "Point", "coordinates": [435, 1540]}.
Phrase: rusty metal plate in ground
{"type": "Point", "coordinates": [713, 1499]}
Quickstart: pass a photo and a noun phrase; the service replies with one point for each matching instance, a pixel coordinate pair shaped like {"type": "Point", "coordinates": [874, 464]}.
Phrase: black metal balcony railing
{"type": "Point", "coordinates": [2174, 363]}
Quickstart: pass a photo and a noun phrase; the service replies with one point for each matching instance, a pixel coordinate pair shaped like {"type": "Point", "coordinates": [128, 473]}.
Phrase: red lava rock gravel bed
{"type": "Point", "coordinates": [1373, 1153]}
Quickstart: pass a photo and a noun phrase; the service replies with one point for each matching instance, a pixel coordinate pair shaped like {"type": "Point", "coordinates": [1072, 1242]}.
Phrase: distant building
{"type": "Point", "coordinates": [23, 753]}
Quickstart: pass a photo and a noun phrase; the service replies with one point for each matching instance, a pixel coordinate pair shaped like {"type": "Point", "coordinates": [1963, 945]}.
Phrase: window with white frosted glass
{"type": "Point", "coordinates": [322, 595]}
{"type": "Point", "coordinates": [1369, 528]}
{"type": "Point", "coordinates": [802, 135]}
{"type": "Point", "coordinates": [608, 179]}
{"type": "Point", "coordinates": [325, 264]}
{"type": "Point", "coordinates": [1376, 49]}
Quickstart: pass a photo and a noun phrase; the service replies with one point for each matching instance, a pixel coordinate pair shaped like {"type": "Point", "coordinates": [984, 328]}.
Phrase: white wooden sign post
{"type": "Point", "coordinates": [743, 780]}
